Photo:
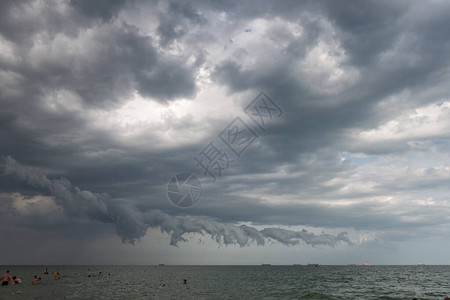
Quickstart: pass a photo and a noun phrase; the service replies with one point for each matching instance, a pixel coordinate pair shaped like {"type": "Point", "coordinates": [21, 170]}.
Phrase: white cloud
{"type": "Point", "coordinates": [426, 122]}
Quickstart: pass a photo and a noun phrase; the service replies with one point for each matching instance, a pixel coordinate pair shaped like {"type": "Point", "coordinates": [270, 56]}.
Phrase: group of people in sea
{"type": "Point", "coordinates": [6, 279]}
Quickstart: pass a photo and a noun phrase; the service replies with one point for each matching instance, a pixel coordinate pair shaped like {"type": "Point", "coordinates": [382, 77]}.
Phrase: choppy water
{"type": "Point", "coordinates": [232, 282]}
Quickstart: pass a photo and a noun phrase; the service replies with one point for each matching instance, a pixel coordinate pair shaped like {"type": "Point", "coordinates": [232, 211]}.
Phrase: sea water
{"type": "Point", "coordinates": [231, 282]}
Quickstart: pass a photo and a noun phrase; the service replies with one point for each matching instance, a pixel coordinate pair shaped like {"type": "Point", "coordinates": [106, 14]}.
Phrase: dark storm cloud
{"type": "Point", "coordinates": [109, 63]}
{"type": "Point", "coordinates": [369, 215]}
{"type": "Point", "coordinates": [167, 81]}
{"type": "Point", "coordinates": [367, 28]}
{"type": "Point", "coordinates": [88, 55]}
{"type": "Point", "coordinates": [132, 224]}
{"type": "Point", "coordinates": [176, 22]}
{"type": "Point", "coordinates": [21, 20]}
{"type": "Point", "coordinates": [97, 64]}
{"type": "Point", "coordinates": [366, 31]}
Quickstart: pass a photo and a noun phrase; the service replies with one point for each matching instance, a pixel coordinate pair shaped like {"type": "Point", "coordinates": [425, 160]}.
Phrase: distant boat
{"type": "Point", "coordinates": [421, 264]}
{"type": "Point", "coordinates": [313, 265]}
{"type": "Point", "coordinates": [364, 264]}
{"type": "Point", "coordinates": [296, 265]}
{"type": "Point", "coordinates": [266, 265]}
{"type": "Point", "coordinates": [161, 265]}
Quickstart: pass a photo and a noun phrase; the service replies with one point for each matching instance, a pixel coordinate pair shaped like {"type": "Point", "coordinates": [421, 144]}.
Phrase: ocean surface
{"type": "Point", "coordinates": [231, 282]}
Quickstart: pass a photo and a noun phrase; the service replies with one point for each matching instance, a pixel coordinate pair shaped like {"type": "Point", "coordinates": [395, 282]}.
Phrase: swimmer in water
{"type": "Point", "coordinates": [39, 279]}
{"type": "Point", "coordinates": [17, 280]}
{"type": "Point", "coordinates": [35, 280]}
{"type": "Point", "coordinates": [100, 274]}
{"type": "Point", "coordinates": [185, 281]}
{"type": "Point", "coordinates": [45, 271]}
{"type": "Point", "coordinates": [57, 276]}
{"type": "Point", "coordinates": [6, 278]}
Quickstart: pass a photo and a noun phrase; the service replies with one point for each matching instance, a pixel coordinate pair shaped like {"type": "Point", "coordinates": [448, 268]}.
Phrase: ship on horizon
{"type": "Point", "coordinates": [313, 265]}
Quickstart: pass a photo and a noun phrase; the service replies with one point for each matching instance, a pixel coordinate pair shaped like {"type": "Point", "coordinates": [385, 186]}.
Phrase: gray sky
{"type": "Point", "coordinates": [103, 102]}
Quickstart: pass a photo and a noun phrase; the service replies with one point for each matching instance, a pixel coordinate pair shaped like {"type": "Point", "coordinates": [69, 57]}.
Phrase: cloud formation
{"type": "Point", "coordinates": [119, 96]}
{"type": "Point", "coordinates": [131, 224]}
